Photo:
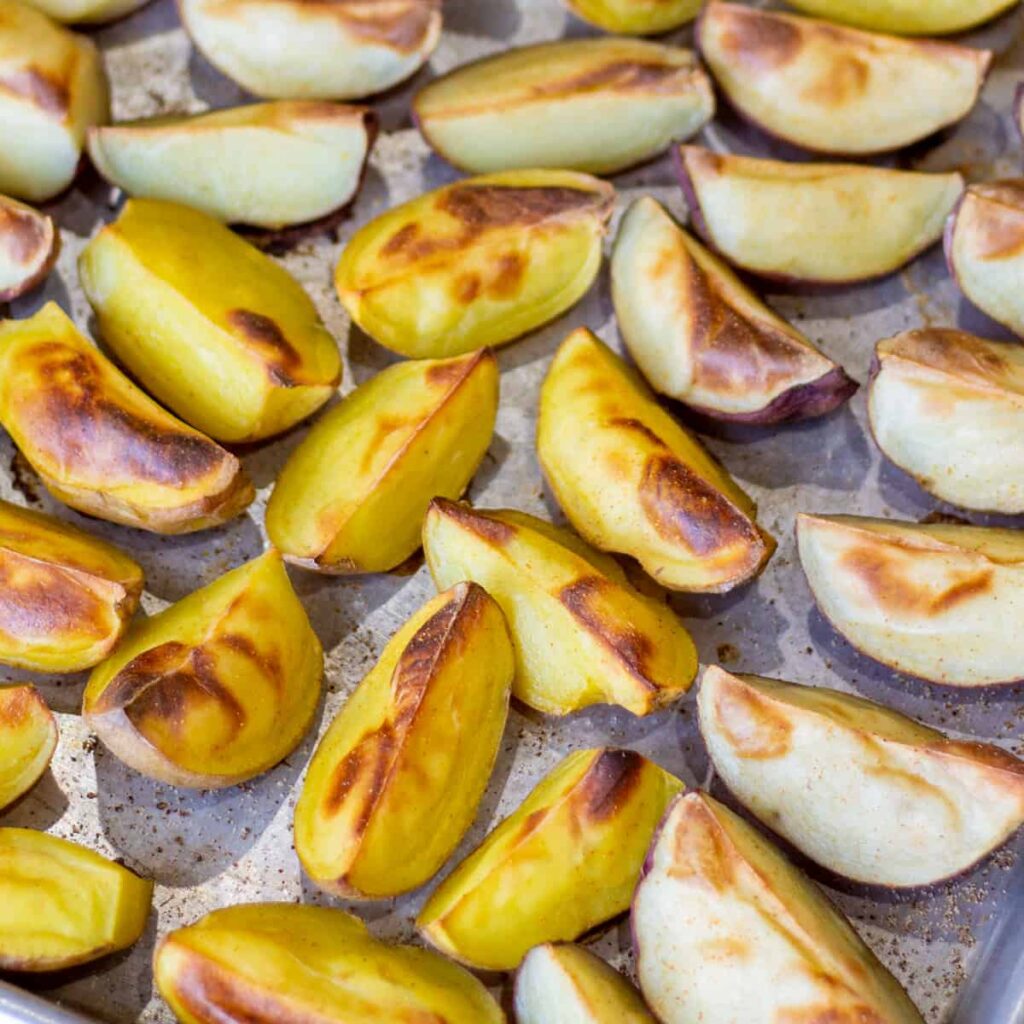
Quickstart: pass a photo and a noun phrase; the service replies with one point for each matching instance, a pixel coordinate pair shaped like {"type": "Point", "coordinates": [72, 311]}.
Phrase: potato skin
{"type": "Point", "coordinates": [636, 17]}
{"type": "Point", "coordinates": [28, 738]}
{"type": "Point", "coordinates": [907, 17]}
{"type": "Point", "coordinates": [29, 246]}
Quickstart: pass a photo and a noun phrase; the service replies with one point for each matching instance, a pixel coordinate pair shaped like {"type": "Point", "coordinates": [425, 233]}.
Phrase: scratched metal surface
{"type": "Point", "coordinates": [207, 850]}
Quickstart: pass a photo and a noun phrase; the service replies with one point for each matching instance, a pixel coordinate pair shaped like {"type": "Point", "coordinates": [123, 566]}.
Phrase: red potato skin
{"type": "Point", "coordinates": [39, 276]}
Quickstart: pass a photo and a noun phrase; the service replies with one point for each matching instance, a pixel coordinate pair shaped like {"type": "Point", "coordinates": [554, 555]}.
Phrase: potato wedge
{"type": "Point", "coordinates": [725, 929]}
{"type": "Point", "coordinates": [352, 496]}
{"type": "Point", "coordinates": [102, 446]}
{"type": "Point", "coordinates": [292, 49]}
{"type": "Point", "coordinates": [398, 777]}
{"type": "Point", "coordinates": [279, 963]}
{"type": "Point", "coordinates": [819, 223]}
{"type": "Point", "coordinates": [596, 105]}
{"type": "Point", "coordinates": [52, 88]}
{"type": "Point", "coordinates": [558, 983]}
{"type": "Point", "coordinates": [28, 738]}
{"type": "Point", "coordinates": [66, 598]}
{"type": "Point", "coordinates": [231, 343]}
{"type": "Point", "coordinates": [566, 861]}
{"type": "Point", "coordinates": [935, 600]}
{"type": "Point", "coordinates": [635, 17]}
{"type": "Point", "coordinates": [87, 12]}
{"type": "Point", "coordinates": [862, 790]}
{"type": "Point", "coordinates": [63, 904]}
{"type": "Point", "coordinates": [837, 90]}
{"type": "Point", "coordinates": [985, 249]}
{"type": "Point", "coordinates": [476, 263]}
{"type": "Point", "coordinates": [948, 408]}
{"type": "Point", "coordinates": [215, 689]}
{"type": "Point", "coordinates": [635, 482]}
{"type": "Point", "coordinates": [29, 245]}
{"type": "Point", "coordinates": [908, 17]}
{"type": "Point", "coordinates": [703, 337]}
{"type": "Point", "coordinates": [582, 634]}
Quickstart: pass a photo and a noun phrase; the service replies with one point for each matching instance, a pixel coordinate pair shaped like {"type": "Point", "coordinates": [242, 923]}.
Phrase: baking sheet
{"type": "Point", "coordinates": [211, 849]}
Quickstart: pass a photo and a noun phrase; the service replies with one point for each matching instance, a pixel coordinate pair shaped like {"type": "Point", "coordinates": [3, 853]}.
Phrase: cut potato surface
{"type": "Point", "coordinates": [908, 17]}
{"type": "Point", "coordinates": [29, 244]}
{"type": "Point", "coordinates": [636, 17]}
{"type": "Point", "coordinates": [28, 738]}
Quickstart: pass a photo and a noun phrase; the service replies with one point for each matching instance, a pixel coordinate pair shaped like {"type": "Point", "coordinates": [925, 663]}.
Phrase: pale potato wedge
{"type": "Point", "coordinates": [908, 17]}
{"type": "Point", "coordinates": [727, 931]}
{"type": "Point", "coordinates": [837, 90]}
{"type": "Point", "coordinates": [635, 482]}
{"type": "Point", "coordinates": [821, 223]}
{"type": "Point", "coordinates": [270, 165]}
{"type": "Point", "coordinates": [597, 105]}
{"type": "Point", "coordinates": [948, 408]}
{"type": "Point", "coordinates": [87, 12]}
{"type": "Point", "coordinates": [28, 738]}
{"type": "Point", "coordinates": [635, 17]}
{"type": "Point", "coordinates": [29, 245]}
{"type": "Point", "coordinates": [701, 336]}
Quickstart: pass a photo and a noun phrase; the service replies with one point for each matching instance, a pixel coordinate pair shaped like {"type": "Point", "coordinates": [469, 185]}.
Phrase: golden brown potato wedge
{"type": "Point", "coordinates": [292, 49]}
{"type": "Point", "coordinates": [582, 634]}
{"type": "Point", "coordinates": [862, 790]}
{"type": "Point", "coordinates": [65, 598]}
{"type": "Point", "coordinates": [87, 12]}
{"type": "Point", "coordinates": [948, 408]}
{"type": "Point", "coordinates": [278, 963]}
{"type": "Point", "coordinates": [476, 263]}
{"type": "Point", "coordinates": [725, 929]}
{"type": "Point", "coordinates": [937, 600]}
{"type": "Point", "coordinates": [635, 482]}
{"type": "Point", "coordinates": [230, 342]}
{"type": "Point", "coordinates": [822, 223]}
{"type": "Point", "coordinates": [566, 861]}
{"type": "Point", "coordinates": [908, 17]}
{"type": "Point", "coordinates": [63, 904]}
{"type": "Point", "coordinates": [636, 17]}
{"type": "Point", "coordinates": [703, 337]}
{"type": "Point", "coordinates": [396, 780]}
{"type": "Point", "coordinates": [300, 160]}
{"type": "Point", "coordinates": [52, 88]}
{"type": "Point", "coordinates": [215, 689]}
{"type": "Point", "coordinates": [833, 89]}
{"type": "Point", "coordinates": [352, 496]}
{"type": "Point", "coordinates": [28, 738]}
{"type": "Point", "coordinates": [29, 245]}
{"type": "Point", "coordinates": [596, 105]}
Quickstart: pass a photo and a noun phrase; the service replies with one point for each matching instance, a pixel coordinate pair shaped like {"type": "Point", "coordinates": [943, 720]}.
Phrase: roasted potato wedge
{"type": "Point", "coordinates": [352, 496]}
{"type": "Point", "coordinates": [985, 249]}
{"type": "Point", "coordinates": [558, 983]}
{"type": "Point", "coordinates": [52, 88]}
{"type": "Point", "coordinates": [566, 861]}
{"type": "Point", "coordinates": [703, 337]}
{"type": "Point", "coordinates": [476, 263]}
{"type": "Point", "coordinates": [65, 598]}
{"type": "Point", "coordinates": [635, 17]}
{"type": "Point", "coordinates": [279, 963]}
{"type": "Point", "coordinates": [948, 408]}
{"type": "Point", "coordinates": [725, 929]}
{"type": "Point", "coordinates": [28, 738]}
{"type": "Point", "coordinates": [63, 904]}
{"type": "Point", "coordinates": [596, 105]}
{"type": "Point", "coordinates": [398, 777]}
{"type": "Point", "coordinates": [231, 343]}
{"type": "Point", "coordinates": [300, 160]}
{"type": "Point", "coordinates": [936, 600]}
{"type": "Point", "coordinates": [862, 790]}
{"type": "Point", "coordinates": [635, 482]}
{"type": "Point", "coordinates": [292, 49]}
{"type": "Point", "coordinates": [582, 634]}
{"type": "Point", "coordinates": [29, 245]}
{"type": "Point", "coordinates": [833, 89]}
{"type": "Point", "coordinates": [908, 17]}
{"type": "Point", "coordinates": [88, 12]}
{"type": "Point", "coordinates": [215, 689]}
{"type": "Point", "coordinates": [819, 223]}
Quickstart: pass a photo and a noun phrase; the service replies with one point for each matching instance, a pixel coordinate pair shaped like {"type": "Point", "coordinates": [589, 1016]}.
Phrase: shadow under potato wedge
{"type": "Point", "coordinates": [64, 905]}
{"type": "Point", "coordinates": [908, 17]}
{"type": "Point", "coordinates": [595, 105]}
{"type": "Point", "coordinates": [564, 862]}
{"type": "Point", "coordinates": [632, 480]}
{"type": "Point", "coordinates": [862, 790]}
{"type": "Point", "coordinates": [476, 263]}
{"type": "Point", "coordinates": [725, 929]}
{"type": "Point", "coordinates": [28, 738]}
{"type": "Point", "coordinates": [352, 496]}
{"type": "Point", "coordinates": [102, 446]}
{"type": "Point", "coordinates": [29, 246]}
{"type": "Point", "coordinates": [636, 17]}
{"type": "Point", "coordinates": [280, 963]}
{"type": "Point", "coordinates": [215, 689]}
{"type": "Point", "coordinates": [582, 634]}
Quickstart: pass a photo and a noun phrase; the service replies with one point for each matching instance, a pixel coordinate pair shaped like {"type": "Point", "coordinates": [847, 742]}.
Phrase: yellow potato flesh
{"type": "Point", "coordinates": [28, 738]}
{"type": "Point", "coordinates": [636, 17]}
{"type": "Point", "coordinates": [352, 496]}
{"type": "Point", "coordinates": [230, 342]}
{"type": "Point", "coordinates": [29, 243]}
{"type": "Point", "coordinates": [90, 12]}
{"type": "Point", "coordinates": [907, 17]}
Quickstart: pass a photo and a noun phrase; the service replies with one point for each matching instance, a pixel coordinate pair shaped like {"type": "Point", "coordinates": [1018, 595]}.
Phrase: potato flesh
{"type": "Point", "coordinates": [397, 779]}
{"type": "Point", "coordinates": [28, 738]}
{"type": "Point", "coordinates": [64, 904]}
{"type": "Point", "coordinates": [29, 242]}
{"type": "Point", "coordinates": [91, 12]}
{"type": "Point", "coordinates": [907, 17]}
{"type": "Point", "coordinates": [636, 17]}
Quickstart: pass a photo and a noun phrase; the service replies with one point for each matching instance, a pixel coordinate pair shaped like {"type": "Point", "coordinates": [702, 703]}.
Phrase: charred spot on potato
{"type": "Point", "coordinates": [364, 769]}
{"type": "Point", "coordinates": [449, 372]}
{"type": "Point", "coordinates": [996, 221]}
{"type": "Point", "coordinates": [16, 705]}
{"type": "Point", "coordinates": [631, 423]}
{"type": "Point", "coordinates": [846, 79]}
{"type": "Point", "coordinates": [510, 269]}
{"type": "Point", "coordinates": [700, 851]}
{"type": "Point", "coordinates": [209, 992]}
{"type": "Point", "coordinates": [754, 729]}
{"type": "Point", "coordinates": [480, 207]}
{"type": "Point", "coordinates": [621, 76]}
{"type": "Point", "coordinates": [22, 234]}
{"type": "Point", "coordinates": [37, 599]}
{"type": "Point", "coordinates": [763, 42]}
{"type": "Point", "coordinates": [609, 783]}
{"type": "Point", "coordinates": [39, 88]}
{"type": "Point", "coordinates": [492, 530]}
{"type": "Point", "coordinates": [403, 25]}
{"type": "Point", "coordinates": [284, 363]}
{"type": "Point", "coordinates": [422, 655]}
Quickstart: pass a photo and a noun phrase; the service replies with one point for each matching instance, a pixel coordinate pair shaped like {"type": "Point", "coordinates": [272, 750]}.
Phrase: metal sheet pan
{"type": "Point", "coordinates": [207, 850]}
